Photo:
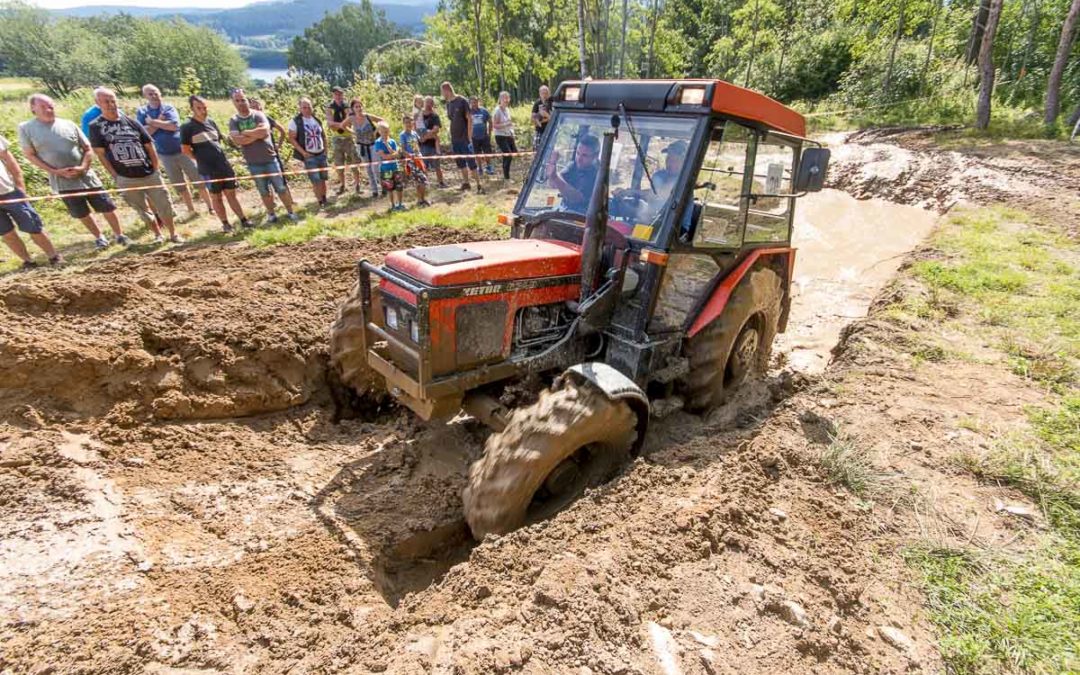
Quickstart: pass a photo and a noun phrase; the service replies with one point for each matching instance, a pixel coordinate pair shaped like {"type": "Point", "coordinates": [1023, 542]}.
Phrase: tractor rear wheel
{"type": "Point", "coordinates": [736, 346]}
{"type": "Point", "coordinates": [348, 345]}
{"type": "Point", "coordinates": [574, 436]}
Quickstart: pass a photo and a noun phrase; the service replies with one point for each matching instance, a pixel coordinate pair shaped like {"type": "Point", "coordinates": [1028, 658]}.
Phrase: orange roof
{"type": "Point", "coordinates": [737, 101]}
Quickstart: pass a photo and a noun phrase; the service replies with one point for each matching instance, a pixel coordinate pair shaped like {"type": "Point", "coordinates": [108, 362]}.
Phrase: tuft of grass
{"type": "Point", "coordinates": [849, 465]}
{"type": "Point", "coordinates": [1000, 614]}
{"type": "Point", "coordinates": [481, 217]}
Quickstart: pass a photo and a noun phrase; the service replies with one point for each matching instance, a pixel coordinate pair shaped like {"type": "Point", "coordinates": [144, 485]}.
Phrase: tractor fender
{"type": "Point", "coordinates": [721, 293]}
{"type": "Point", "coordinates": [617, 386]}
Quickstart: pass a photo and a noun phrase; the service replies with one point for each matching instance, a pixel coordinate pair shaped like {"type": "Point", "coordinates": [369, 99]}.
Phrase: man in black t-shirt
{"type": "Point", "coordinates": [200, 139]}
{"type": "Point", "coordinates": [429, 138]}
{"type": "Point", "coordinates": [461, 131]}
{"type": "Point", "coordinates": [575, 184]}
{"type": "Point", "coordinates": [344, 151]}
{"type": "Point", "coordinates": [127, 152]}
{"type": "Point", "coordinates": [541, 114]}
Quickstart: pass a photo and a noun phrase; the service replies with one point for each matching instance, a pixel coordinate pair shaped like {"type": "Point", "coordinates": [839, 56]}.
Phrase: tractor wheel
{"type": "Point", "coordinates": [736, 346]}
{"type": "Point", "coordinates": [574, 436]}
{"type": "Point", "coordinates": [348, 348]}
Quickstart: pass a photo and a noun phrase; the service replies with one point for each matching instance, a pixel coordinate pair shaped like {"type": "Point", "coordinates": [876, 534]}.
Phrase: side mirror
{"type": "Point", "coordinates": [813, 166]}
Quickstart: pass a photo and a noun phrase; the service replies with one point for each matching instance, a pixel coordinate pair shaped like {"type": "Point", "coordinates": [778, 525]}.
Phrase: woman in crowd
{"type": "Point", "coordinates": [363, 126]}
{"type": "Point", "coordinates": [504, 131]}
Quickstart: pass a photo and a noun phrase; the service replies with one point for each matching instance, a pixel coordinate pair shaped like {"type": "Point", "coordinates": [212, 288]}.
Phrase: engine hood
{"type": "Point", "coordinates": [483, 261]}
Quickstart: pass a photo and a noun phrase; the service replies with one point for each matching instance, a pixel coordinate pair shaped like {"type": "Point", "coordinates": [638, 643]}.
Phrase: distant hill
{"type": "Point", "coordinates": [279, 19]}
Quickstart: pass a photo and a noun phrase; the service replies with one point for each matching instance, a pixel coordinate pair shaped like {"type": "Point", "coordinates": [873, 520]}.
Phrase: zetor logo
{"type": "Point", "coordinates": [496, 288]}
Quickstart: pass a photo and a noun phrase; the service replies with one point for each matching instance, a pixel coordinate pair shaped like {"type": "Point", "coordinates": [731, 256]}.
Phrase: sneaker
{"type": "Point", "coordinates": [29, 265]}
{"type": "Point", "coordinates": [101, 242]}
{"type": "Point", "coordinates": [375, 194]}
{"type": "Point", "coordinates": [122, 240]}
{"type": "Point", "coordinates": [272, 218]}
{"type": "Point", "coordinates": [465, 187]}
{"type": "Point", "coordinates": [423, 203]}
{"type": "Point", "coordinates": [293, 217]}
{"type": "Point", "coordinates": [322, 203]}
{"type": "Point", "coordinates": [401, 207]}
{"type": "Point", "coordinates": [159, 240]}
{"type": "Point", "coordinates": [442, 185]}
{"type": "Point", "coordinates": [226, 228]}
{"type": "Point", "coordinates": [246, 224]}
{"type": "Point", "coordinates": [176, 239]}
{"type": "Point", "coordinates": [57, 260]}
{"type": "Point", "coordinates": [479, 189]}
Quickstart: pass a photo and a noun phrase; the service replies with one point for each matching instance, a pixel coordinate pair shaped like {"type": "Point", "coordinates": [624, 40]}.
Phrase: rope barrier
{"type": "Point", "coordinates": [289, 172]}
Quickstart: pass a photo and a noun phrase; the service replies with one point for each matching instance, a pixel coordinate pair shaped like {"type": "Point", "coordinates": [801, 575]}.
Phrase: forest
{"type": "Point", "coordinates": [932, 61]}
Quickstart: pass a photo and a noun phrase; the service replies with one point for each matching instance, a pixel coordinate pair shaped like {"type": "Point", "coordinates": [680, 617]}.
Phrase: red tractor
{"type": "Point", "coordinates": [649, 268]}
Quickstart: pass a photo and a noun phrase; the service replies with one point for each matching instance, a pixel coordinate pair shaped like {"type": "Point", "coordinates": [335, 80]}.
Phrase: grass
{"type": "Point", "coordinates": [1002, 278]}
{"type": "Point", "coordinates": [1001, 614]}
{"type": "Point", "coordinates": [848, 464]}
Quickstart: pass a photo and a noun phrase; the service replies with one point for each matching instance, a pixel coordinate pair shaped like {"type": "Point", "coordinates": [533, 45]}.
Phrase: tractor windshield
{"type": "Point", "coordinates": [643, 174]}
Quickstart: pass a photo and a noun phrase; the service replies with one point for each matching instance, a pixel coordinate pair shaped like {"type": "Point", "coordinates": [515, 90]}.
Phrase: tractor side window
{"type": "Point", "coordinates": [769, 217]}
{"type": "Point", "coordinates": [719, 188]}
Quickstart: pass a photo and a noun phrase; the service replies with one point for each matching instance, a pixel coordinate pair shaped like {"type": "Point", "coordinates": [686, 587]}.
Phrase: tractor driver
{"type": "Point", "coordinates": [575, 184]}
{"type": "Point", "coordinates": [663, 181]}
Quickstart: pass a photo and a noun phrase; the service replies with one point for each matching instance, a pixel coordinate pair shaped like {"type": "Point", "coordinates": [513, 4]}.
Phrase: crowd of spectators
{"type": "Point", "coordinates": [146, 152]}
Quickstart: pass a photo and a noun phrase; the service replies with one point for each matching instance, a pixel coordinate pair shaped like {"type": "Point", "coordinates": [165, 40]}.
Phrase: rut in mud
{"type": "Point", "coordinates": [178, 494]}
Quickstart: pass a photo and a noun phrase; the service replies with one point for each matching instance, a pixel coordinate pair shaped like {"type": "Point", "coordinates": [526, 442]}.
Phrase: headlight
{"type": "Point", "coordinates": [414, 331]}
{"type": "Point", "coordinates": [391, 317]}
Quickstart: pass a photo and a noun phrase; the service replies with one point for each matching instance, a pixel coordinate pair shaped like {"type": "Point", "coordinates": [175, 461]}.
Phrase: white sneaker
{"type": "Point", "coordinates": [101, 243]}
{"type": "Point", "coordinates": [293, 217]}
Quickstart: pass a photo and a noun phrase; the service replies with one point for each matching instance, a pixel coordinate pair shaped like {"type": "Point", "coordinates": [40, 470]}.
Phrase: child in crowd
{"type": "Point", "coordinates": [414, 163]}
{"type": "Point", "coordinates": [393, 181]}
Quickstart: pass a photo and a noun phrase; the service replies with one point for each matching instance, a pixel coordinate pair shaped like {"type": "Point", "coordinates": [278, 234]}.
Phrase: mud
{"type": "Point", "coordinates": [177, 496]}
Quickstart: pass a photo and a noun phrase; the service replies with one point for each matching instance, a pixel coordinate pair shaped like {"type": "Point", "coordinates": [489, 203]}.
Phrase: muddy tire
{"type": "Point", "coordinates": [736, 346]}
{"type": "Point", "coordinates": [574, 425]}
{"type": "Point", "coordinates": [348, 347]}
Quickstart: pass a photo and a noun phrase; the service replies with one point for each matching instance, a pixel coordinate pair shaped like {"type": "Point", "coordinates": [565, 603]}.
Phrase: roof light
{"type": "Point", "coordinates": [692, 95]}
{"type": "Point", "coordinates": [572, 94]}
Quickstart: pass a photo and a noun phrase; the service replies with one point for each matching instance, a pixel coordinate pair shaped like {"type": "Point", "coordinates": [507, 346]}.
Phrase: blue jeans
{"type": "Point", "coordinates": [19, 214]}
{"type": "Point", "coordinates": [275, 179]}
{"type": "Point", "coordinates": [317, 162]}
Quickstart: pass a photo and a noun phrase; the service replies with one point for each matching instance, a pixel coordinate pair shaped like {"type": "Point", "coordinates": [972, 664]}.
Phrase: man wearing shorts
{"type": "Point", "coordinates": [250, 129]}
{"type": "Point", "coordinates": [307, 137]}
{"type": "Point", "coordinates": [19, 213]}
{"type": "Point", "coordinates": [59, 148]}
{"type": "Point", "coordinates": [337, 119]}
{"type": "Point", "coordinates": [200, 139]}
{"type": "Point", "coordinates": [429, 130]}
{"type": "Point", "coordinates": [127, 152]}
{"type": "Point", "coordinates": [461, 135]}
{"type": "Point", "coordinates": [162, 122]}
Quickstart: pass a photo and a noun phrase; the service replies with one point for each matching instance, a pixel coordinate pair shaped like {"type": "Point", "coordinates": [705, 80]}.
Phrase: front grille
{"type": "Point", "coordinates": [480, 329]}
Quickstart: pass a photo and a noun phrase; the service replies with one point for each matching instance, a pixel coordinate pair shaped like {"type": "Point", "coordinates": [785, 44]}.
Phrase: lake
{"type": "Point", "coordinates": [266, 74]}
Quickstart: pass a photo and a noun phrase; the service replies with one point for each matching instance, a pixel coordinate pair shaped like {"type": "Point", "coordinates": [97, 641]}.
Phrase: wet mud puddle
{"type": "Point", "coordinates": [848, 249]}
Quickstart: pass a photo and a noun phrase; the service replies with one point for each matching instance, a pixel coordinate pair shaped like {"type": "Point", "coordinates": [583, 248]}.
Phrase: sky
{"type": "Point", "coordinates": [213, 4]}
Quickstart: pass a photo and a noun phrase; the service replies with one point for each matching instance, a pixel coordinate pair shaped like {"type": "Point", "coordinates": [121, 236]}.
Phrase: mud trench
{"type": "Point", "coordinates": [179, 493]}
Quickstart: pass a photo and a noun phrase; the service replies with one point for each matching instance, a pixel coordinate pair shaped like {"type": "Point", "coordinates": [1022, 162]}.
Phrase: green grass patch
{"type": "Point", "coordinates": [373, 225]}
{"type": "Point", "coordinates": [848, 464]}
{"type": "Point", "coordinates": [1004, 615]}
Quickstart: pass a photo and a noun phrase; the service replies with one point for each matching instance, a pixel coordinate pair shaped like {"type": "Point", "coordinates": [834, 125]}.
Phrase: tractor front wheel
{"type": "Point", "coordinates": [348, 345]}
{"type": "Point", "coordinates": [574, 436]}
{"type": "Point", "coordinates": [736, 346]}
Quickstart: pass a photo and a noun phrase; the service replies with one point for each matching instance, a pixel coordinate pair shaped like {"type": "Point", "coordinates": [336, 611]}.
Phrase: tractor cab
{"type": "Point", "coordinates": [649, 269]}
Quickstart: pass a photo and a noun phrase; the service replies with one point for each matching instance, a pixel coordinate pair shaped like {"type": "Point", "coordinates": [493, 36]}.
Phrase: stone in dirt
{"type": "Point", "coordinates": [789, 611]}
{"type": "Point", "coordinates": [1018, 510]}
{"type": "Point", "coordinates": [896, 638]}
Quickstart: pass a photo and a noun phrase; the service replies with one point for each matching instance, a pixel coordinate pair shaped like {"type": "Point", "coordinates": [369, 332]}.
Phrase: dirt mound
{"type": "Point", "coordinates": [896, 164]}
{"type": "Point", "coordinates": [185, 334]}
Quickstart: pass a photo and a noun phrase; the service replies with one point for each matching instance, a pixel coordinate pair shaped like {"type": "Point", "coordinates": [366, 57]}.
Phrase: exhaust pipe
{"type": "Point", "coordinates": [596, 217]}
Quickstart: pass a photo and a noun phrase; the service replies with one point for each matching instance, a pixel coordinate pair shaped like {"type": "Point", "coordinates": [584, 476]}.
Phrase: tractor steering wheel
{"type": "Point", "coordinates": [628, 204]}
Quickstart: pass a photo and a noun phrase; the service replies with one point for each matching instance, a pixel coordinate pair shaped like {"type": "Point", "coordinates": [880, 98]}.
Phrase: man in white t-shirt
{"type": "Point", "coordinates": [308, 139]}
{"type": "Point", "coordinates": [19, 214]}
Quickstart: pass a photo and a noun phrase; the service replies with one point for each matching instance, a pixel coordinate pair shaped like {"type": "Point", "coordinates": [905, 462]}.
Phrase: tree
{"type": "Point", "coordinates": [162, 52]}
{"type": "Point", "coordinates": [1053, 83]}
{"type": "Point", "coordinates": [581, 39]}
{"type": "Point", "coordinates": [335, 47]}
{"type": "Point", "coordinates": [986, 65]}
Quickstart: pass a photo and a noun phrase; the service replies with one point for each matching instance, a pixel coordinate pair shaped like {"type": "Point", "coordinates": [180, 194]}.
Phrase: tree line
{"type": "Point", "coordinates": [814, 53]}
{"type": "Point", "coordinates": [66, 54]}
